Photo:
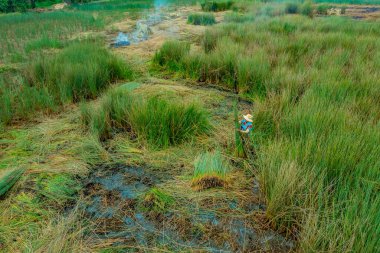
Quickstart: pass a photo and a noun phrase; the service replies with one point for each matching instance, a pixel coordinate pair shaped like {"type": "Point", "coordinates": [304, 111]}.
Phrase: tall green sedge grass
{"type": "Point", "coordinates": [23, 32]}
{"type": "Point", "coordinates": [315, 84]}
{"type": "Point", "coordinates": [210, 170]}
{"type": "Point", "coordinates": [201, 19]}
{"type": "Point", "coordinates": [159, 122]}
{"type": "Point", "coordinates": [218, 5]}
{"type": "Point", "coordinates": [130, 6]}
{"type": "Point", "coordinates": [78, 72]}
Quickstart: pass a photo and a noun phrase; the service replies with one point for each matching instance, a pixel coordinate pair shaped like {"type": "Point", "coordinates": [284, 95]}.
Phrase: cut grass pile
{"type": "Point", "coordinates": [216, 6]}
{"type": "Point", "coordinates": [56, 155]}
{"type": "Point", "coordinates": [157, 200]}
{"type": "Point", "coordinates": [201, 19]}
{"type": "Point", "coordinates": [210, 171]}
{"type": "Point", "coordinates": [160, 122]}
{"type": "Point", "coordinates": [315, 85]}
{"type": "Point", "coordinates": [9, 180]}
{"type": "Point", "coordinates": [32, 31]}
{"type": "Point", "coordinates": [79, 72]}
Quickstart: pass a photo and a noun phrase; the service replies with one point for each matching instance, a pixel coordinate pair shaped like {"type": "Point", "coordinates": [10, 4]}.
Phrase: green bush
{"type": "Point", "coordinates": [201, 19]}
{"type": "Point", "coordinates": [158, 121]}
{"type": "Point", "coordinates": [217, 5]}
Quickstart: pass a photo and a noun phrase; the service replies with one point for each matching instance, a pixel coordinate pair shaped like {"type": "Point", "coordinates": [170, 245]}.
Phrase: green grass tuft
{"type": "Point", "coordinates": [201, 19]}
{"type": "Point", "coordinates": [158, 121]}
{"type": "Point", "coordinates": [80, 71]}
{"type": "Point", "coordinates": [171, 53]}
{"type": "Point", "coordinates": [217, 5]}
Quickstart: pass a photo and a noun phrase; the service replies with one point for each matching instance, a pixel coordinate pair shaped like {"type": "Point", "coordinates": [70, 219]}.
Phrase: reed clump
{"type": "Point", "coordinates": [201, 19]}
{"type": "Point", "coordinates": [160, 122]}
{"type": "Point", "coordinates": [80, 71]}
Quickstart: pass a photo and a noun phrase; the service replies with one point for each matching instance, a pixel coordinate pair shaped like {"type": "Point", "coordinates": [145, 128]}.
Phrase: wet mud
{"type": "Point", "coordinates": [114, 194]}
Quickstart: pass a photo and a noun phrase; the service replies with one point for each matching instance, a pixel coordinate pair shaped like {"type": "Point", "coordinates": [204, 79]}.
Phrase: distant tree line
{"type": "Point", "coordinates": [16, 5]}
{"type": "Point", "coordinates": [23, 5]}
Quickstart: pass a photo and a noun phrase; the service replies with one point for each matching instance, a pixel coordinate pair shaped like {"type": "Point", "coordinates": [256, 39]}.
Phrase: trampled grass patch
{"type": "Point", "coordinates": [9, 180]}
{"type": "Point", "coordinates": [201, 19]}
{"type": "Point", "coordinates": [161, 123]}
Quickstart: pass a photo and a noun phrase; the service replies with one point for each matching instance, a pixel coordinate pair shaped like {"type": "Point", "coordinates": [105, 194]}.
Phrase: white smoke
{"type": "Point", "coordinates": [142, 29]}
{"type": "Point", "coordinates": [160, 3]}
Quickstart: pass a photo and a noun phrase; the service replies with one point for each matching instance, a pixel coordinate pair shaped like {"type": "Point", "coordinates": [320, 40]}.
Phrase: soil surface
{"type": "Point", "coordinates": [115, 201]}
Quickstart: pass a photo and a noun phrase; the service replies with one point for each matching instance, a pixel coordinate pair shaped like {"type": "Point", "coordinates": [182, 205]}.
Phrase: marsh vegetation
{"type": "Point", "coordinates": [90, 161]}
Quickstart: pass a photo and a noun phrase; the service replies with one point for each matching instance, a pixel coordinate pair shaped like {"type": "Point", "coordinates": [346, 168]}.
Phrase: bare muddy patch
{"type": "Point", "coordinates": [116, 202]}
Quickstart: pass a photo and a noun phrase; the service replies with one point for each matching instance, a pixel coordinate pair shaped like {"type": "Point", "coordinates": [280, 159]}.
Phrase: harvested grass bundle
{"type": "Point", "coordinates": [201, 19]}
{"type": "Point", "coordinates": [58, 189]}
{"type": "Point", "coordinates": [157, 200]}
{"type": "Point", "coordinates": [210, 171]}
{"type": "Point", "coordinates": [9, 180]}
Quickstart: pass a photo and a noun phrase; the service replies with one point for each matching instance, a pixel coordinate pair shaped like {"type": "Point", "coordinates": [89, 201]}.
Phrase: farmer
{"type": "Point", "coordinates": [246, 123]}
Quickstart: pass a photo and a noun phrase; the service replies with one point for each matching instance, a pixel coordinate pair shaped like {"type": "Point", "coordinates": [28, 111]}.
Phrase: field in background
{"type": "Point", "coordinates": [310, 80]}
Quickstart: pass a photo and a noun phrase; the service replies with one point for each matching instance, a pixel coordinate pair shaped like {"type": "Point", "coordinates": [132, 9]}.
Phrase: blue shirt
{"type": "Point", "coordinates": [244, 125]}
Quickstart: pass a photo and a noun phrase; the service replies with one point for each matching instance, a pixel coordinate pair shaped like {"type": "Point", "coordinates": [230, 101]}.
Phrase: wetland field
{"type": "Point", "coordinates": [119, 126]}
